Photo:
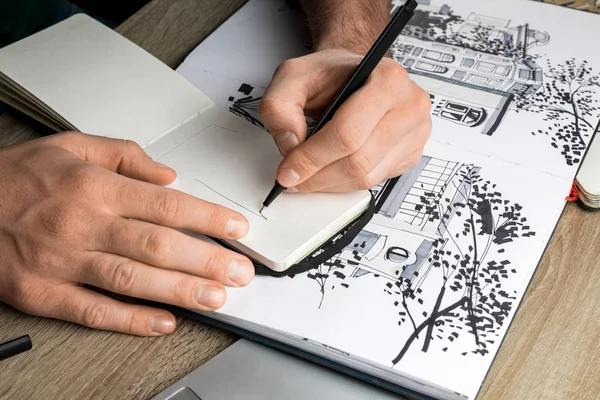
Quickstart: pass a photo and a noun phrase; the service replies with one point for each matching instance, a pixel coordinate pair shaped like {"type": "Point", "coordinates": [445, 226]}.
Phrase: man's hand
{"type": "Point", "coordinates": [78, 209]}
{"type": "Point", "coordinates": [378, 133]}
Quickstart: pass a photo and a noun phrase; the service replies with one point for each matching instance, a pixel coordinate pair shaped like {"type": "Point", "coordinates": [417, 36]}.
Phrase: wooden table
{"type": "Point", "coordinates": [552, 349]}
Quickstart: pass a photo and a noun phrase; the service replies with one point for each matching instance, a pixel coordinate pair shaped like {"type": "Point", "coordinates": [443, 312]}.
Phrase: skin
{"type": "Point", "coordinates": [80, 211]}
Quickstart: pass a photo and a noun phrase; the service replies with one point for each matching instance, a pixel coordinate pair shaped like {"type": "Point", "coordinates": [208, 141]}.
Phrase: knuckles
{"type": "Point", "coordinates": [270, 106]}
{"type": "Point", "coordinates": [61, 221]}
{"type": "Point", "coordinates": [360, 165]}
{"type": "Point", "coordinates": [123, 277]}
{"type": "Point", "coordinates": [158, 245]}
{"type": "Point", "coordinates": [169, 206]}
{"type": "Point", "coordinates": [94, 315]}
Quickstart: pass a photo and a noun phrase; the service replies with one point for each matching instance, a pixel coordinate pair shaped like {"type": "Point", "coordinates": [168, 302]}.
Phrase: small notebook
{"type": "Point", "coordinates": [80, 75]}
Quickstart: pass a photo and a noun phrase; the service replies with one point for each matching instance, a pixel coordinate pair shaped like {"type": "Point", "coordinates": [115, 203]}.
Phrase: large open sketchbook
{"type": "Point", "coordinates": [423, 297]}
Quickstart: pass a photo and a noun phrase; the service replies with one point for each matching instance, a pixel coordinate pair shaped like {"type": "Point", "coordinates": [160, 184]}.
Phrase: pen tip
{"type": "Point", "coordinates": [261, 209]}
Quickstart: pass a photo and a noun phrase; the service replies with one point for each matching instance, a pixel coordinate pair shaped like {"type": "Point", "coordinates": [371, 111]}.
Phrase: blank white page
{"type": "Point", "coordinates": [100, 82]}
{"type": "Point", "coordinates": [224, 159]}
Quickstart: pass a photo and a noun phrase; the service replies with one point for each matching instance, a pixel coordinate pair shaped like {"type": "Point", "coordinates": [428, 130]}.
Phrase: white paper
{"type": "Point", "coordinates": [100, 82]}
{"type": "Point", "coordinates": [225, 160]}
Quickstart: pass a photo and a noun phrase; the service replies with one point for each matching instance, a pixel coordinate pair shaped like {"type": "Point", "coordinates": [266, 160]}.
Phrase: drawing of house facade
{"type": "Point", "coordinates": [470, 87]}
{"type": "Point", "coordinates": [412, 204]}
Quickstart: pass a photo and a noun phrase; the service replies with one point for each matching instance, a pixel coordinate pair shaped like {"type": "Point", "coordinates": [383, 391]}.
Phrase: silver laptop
{"type": "Point", "coordinates": [247, 370]}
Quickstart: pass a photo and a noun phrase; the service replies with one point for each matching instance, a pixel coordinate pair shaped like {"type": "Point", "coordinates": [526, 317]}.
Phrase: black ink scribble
{"type": "Point", "coordinates": [247, 106]}
{"type": "Point", "coordinates": [228, 199]}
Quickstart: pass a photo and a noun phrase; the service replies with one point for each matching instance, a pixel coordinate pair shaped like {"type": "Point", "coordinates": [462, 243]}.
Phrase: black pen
{"type": "Point", "coordinates": [15, 347]}
{"type": "Point", "coordinates": [360, 75]}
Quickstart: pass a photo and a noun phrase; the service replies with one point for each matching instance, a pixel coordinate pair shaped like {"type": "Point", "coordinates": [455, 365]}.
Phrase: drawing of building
{"type": "Point", "coordinates": [473, 69]}
{"type": "Point", "coordinates": [411, 203]}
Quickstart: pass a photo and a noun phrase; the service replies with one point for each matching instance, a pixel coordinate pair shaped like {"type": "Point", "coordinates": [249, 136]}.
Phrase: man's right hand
{"type": "Point", "coordinates": [78, 209]}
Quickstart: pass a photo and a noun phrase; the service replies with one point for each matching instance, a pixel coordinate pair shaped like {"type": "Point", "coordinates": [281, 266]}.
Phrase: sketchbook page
{"type": "Point", "coordinates": [506, 79]}
{"type": "Point", "coordinates": [100, 82]}
{"type": "Point", "coordinates": [497, 73]}
{"type": "Point", "coordinates": [250, 43]}
{"type": "Point", "coordinates": [223, 159]}
{"type": "Point", "coordinates": [434, 303]}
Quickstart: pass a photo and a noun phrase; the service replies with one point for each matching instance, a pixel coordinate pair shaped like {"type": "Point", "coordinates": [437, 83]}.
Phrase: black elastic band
{"type": "Point", "coordinates": [328, 250]}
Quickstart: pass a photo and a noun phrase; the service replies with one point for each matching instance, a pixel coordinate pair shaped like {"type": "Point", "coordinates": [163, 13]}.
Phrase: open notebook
{"type": "Point", "coordinates": [422, 299]}
{"type": "Point", "coordinates": [80, 75]}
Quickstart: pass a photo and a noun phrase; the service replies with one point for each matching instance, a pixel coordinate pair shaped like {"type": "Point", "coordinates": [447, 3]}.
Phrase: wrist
{"type": "Point", "coordinates": [355, 27]}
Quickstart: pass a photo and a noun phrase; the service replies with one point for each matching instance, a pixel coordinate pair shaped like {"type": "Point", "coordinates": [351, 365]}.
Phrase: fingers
{"type": "Point", "coordinates": [170, 249]}
{"type": "Point", "coordinates": [122, 156]}
{"type": "Point", "coordinates": [282, 107]}
{"type": "Point", "coordinates": [345, 134]}
{"type": "Point", "coordinates": [176, 209]}
{"type": "Point", "coordinates": [94, 310]}
{"type": "Point", "coordinates": [299, 87]}
{"type": "Point", "coordinates": [390, 167]}
{"type": "Point", "coordinates": [390, 136]}
{"type": "Point", "coordinates": [132, 278]}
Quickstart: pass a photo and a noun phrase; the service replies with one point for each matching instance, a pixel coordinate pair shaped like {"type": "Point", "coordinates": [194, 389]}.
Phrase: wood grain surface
{"type": "Point", "coordinates": [552, 350]}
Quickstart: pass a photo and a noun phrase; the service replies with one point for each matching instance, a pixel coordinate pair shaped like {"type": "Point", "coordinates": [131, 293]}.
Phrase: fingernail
{"type": "Point", "coordinates": [240, 272]}
{"type": "Point", "coordinates": [162, 325]}
{"type": "Point", "coordinates": [288, 177]}
{"type": "Point", "coordinates": [286, 142]}
{"type": "Point", "coordinates": [163, 166]}
{"type": "Point", "coordinates": [237, 227]}
{"type": "Point", "coordinates": [209, 296]}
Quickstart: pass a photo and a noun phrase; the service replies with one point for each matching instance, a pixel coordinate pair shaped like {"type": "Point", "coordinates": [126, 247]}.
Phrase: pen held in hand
{"type": "Point", "coordinates": [397, 23]}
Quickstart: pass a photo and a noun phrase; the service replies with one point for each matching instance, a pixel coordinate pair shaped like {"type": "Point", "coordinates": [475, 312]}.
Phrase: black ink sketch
{"type": "Point", "coordinates": [568, 105]}
{"type": "Point", "coordinates": [473, 67]}
{"type": "Point", "coordinates": [228, 199]}
{"type": "Point", "coordinates": [441, 226]}
{"type": "Point", "coordinates": [479, 68]}
{"type": "Point", "coordinates": [246, 106]}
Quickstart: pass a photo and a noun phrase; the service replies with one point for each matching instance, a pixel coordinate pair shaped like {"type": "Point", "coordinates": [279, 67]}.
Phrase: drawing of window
{"type": "Point", "coordinates": [526, 74]}
{"type": "Point", "coordinates": [397, 255]}
{"type": "Point", "coordinates": [405, 48]}
{"type": "Point", "coordinates": [486, 67]}
{"type": "Point", "coordinates": [484, 81]}
{"type": "Point", "coordinates": [408, 62]}
{"type": "Point", "coordinates": [467, 62]}
{"type": "Point", "coordinates": [463, 114]}
{"type": "Point", "coordinates": [459, 75]}
{"type": "Point", "coordinates": [438, 56]}
{"type": "Point", "coordinates": [424, 66]}
{"type": "Point", "coordinates": [417, 51]}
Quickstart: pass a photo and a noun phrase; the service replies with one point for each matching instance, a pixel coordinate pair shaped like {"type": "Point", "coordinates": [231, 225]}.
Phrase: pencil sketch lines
{"type": "Point", "coordinates": [228, 199]}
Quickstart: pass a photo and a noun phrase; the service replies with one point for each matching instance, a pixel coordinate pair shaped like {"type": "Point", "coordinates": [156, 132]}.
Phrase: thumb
{"type": "Point", "coordinates": [122, 156]}
{"type": "Point", "coordinates": [282, 107]}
